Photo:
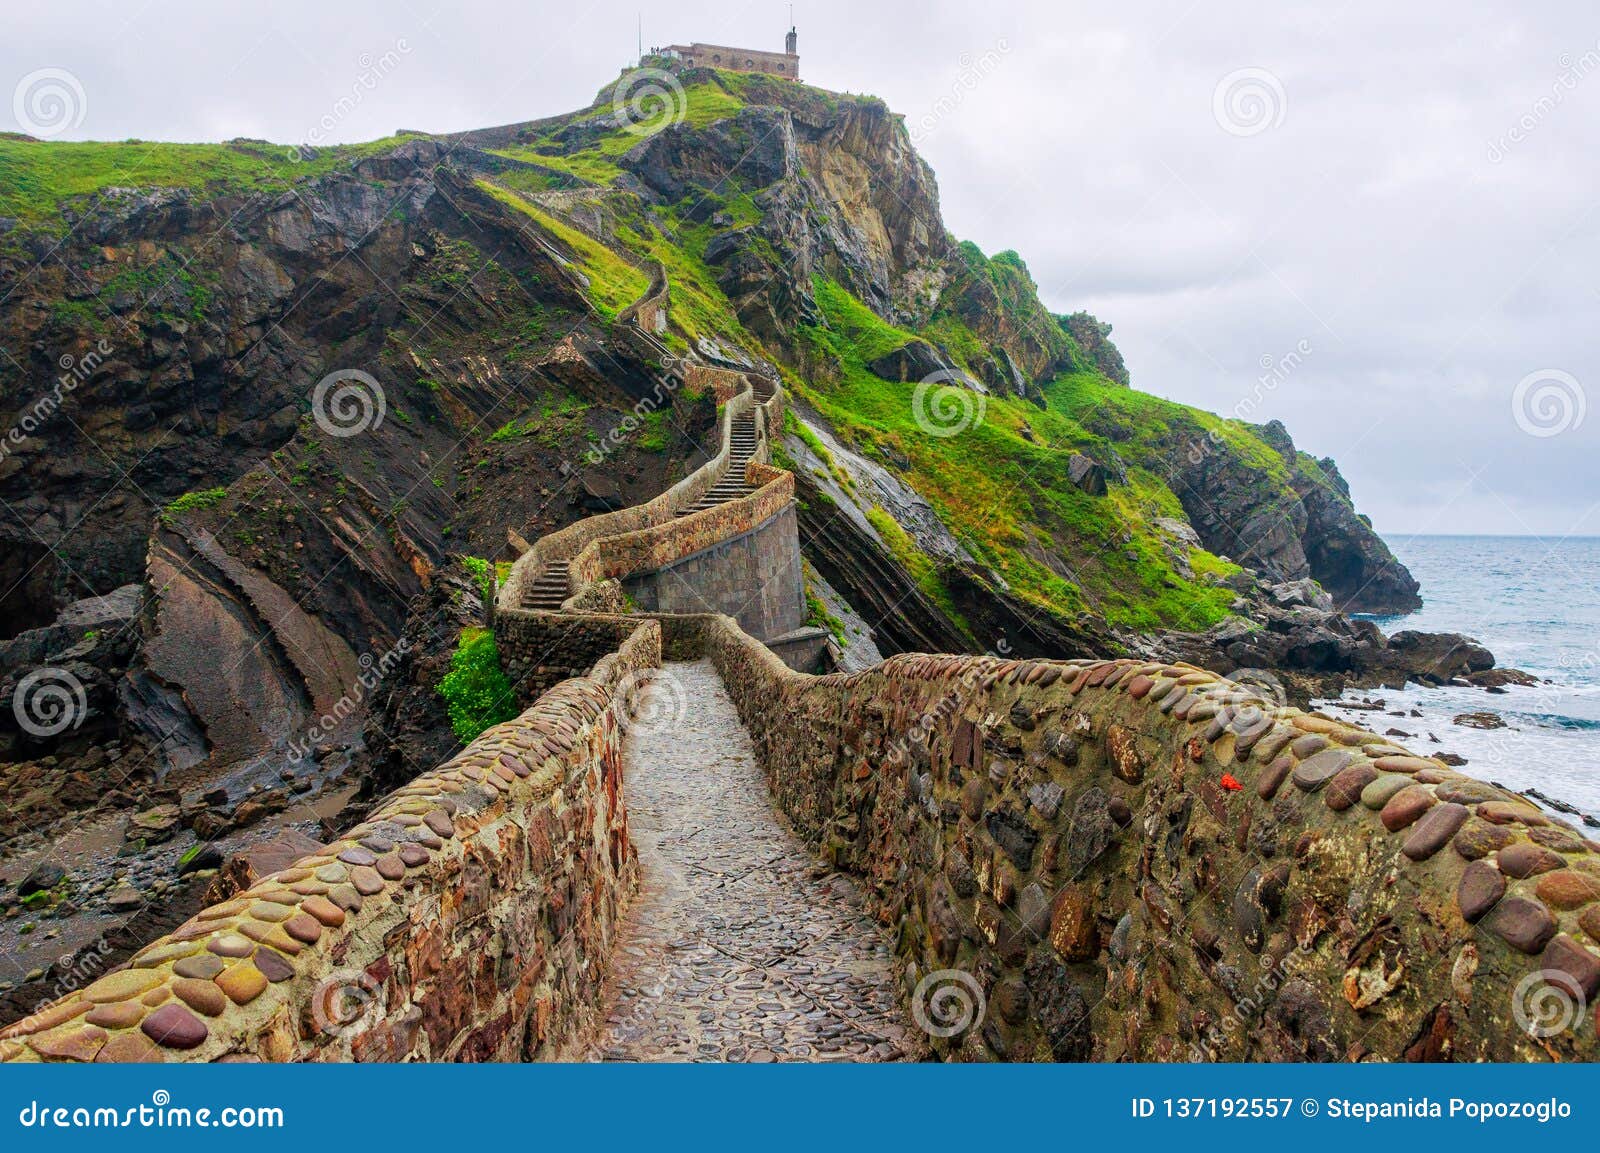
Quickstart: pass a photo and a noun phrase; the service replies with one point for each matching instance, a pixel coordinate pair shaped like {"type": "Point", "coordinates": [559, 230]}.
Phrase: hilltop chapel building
{"type": "Point", "coordinates": [785, 63]}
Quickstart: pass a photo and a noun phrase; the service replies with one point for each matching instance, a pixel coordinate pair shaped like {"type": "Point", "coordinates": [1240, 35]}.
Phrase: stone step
{"type": "Point", "coordinates": [548, 591]}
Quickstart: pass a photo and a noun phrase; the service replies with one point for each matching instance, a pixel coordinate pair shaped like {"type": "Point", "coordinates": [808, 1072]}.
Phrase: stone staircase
{"type": "Point", "coordinates": [544, 580]}
{"type": "Point", "coordinates": [745, 439]}
{"type": "Point", "coordinates": [548, 588]}
{"type": "Point", "coordinates": [547, 591]}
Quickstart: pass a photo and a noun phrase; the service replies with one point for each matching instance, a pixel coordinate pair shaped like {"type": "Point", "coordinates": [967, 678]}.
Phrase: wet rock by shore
{"type": "Point", "coordinates": [1294, 631]}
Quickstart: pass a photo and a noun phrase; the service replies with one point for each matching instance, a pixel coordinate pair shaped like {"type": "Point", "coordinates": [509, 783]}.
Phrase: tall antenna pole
{"type": "Point", "coordinates": [641, 36]}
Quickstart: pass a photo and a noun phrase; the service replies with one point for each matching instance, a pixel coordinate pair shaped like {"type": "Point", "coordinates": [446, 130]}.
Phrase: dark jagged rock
{"type": "Point", "coordinates": [903, 618]}
{"type": "Point", "coordinates": [1293, 628]}
{"type": "Point", "coordinates": [44, 875]}
{"type": "Point", "coordinates": [1094, 337]}
{"type": "Point", "coordinates": [1318, 535]}
{"type": "Point", "coordinates": [915, 360]}
{"type": "Point", "coordinates": [1016, 628]}
{"type": "Point", "coordinates": [1343, 553]}
{"type": "Point", "coordinates": [1086, 474]}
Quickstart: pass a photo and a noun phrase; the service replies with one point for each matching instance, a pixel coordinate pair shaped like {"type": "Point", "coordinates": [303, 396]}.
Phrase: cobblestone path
{"type": "Point", "coordinates": [739, 946]}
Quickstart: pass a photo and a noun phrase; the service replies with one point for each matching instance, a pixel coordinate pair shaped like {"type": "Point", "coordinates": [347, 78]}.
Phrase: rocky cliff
{"type": "Point", "coordinates": [820, 225]}
{"type": "Point", "coordinates": [261, 402]}
{"type": "Point", "coordinates": [256, 409]}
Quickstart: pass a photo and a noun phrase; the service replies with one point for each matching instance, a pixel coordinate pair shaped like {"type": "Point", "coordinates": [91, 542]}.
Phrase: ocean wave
{"type": "Point", "coordinates": [1553, 721]}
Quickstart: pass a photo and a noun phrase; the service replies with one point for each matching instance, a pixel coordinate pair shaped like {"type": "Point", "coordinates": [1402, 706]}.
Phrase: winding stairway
{"type": "Point", "coordinates": [548, 588]}
{"type": "Point", "coordinates": [744, 440]}
{"type": "Point", "coordinates": [738, 945]}
{"type": "Point", "coordinates": [546, 592]}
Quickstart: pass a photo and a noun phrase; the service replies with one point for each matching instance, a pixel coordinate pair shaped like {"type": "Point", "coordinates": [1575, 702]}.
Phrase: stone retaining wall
{"type": "Point", "coordinates": [753, 575]}
{"type": "Point", "coordinates": [469, 918]}
{"type": "Point", "coordinates": [1141, 861]}
{"type": "Point", "coordinates": [649, 314]}
{"type": "Point", "coordinates": [540, 650]}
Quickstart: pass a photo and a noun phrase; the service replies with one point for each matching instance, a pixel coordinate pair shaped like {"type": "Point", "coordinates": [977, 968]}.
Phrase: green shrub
{"type": "Point", "coordinates": [656, 433]}
{"type": "Point", "coordinates": [510, 430]}
{"type": "Point", "coordinates": [475, 690]}
{"type": "Point", "coordinates": [479, 570]}
{"type": "Point", "coordinates": [193, 502]}
{"type": "Point", "coordinates": [36, 178]}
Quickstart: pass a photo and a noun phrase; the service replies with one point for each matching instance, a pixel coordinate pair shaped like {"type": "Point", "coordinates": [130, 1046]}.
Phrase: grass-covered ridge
{"type": "Point", "coordinates": [645, 110]}
{"type": "Point", "coordinates": [1001, 485]}
{"type": "Point", "coordinates": [37, 178]}
{"type": "Point", "coordinates": [613, 283]}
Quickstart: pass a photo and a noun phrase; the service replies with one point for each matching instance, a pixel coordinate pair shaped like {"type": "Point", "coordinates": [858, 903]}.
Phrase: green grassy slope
{"type": "Point", "coordinates": [38, 179]}
{"type": "Point", "coordinates": [1004, 491]}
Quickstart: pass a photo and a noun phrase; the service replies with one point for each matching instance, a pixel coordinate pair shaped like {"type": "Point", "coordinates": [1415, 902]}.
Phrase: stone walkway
{"type": "Point", "coordinates": [739, 946]}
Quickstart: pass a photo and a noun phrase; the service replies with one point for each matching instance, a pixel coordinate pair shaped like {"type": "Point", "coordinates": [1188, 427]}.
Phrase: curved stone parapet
{"type": "Point", "coordinates": [468, 918]}
{"type": "Point", "coordinates": [558, 548]}
{"type": "Point", "coordinates": [737, 394]}
{"type": "Point", "coordinates": [659, 545]}
{"type": "Point", "coordinates": [1146, 861]}
{"type": "Point", "coordinates": [649, 314]}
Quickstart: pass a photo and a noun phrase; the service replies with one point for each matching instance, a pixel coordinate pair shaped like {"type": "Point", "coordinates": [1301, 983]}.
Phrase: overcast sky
{"type": "Point", "coordinates": [1396, 202]}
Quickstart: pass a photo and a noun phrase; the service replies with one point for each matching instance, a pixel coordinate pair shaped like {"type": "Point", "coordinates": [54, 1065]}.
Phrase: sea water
{"type": "Point", "coordinates": [1535, 603]}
